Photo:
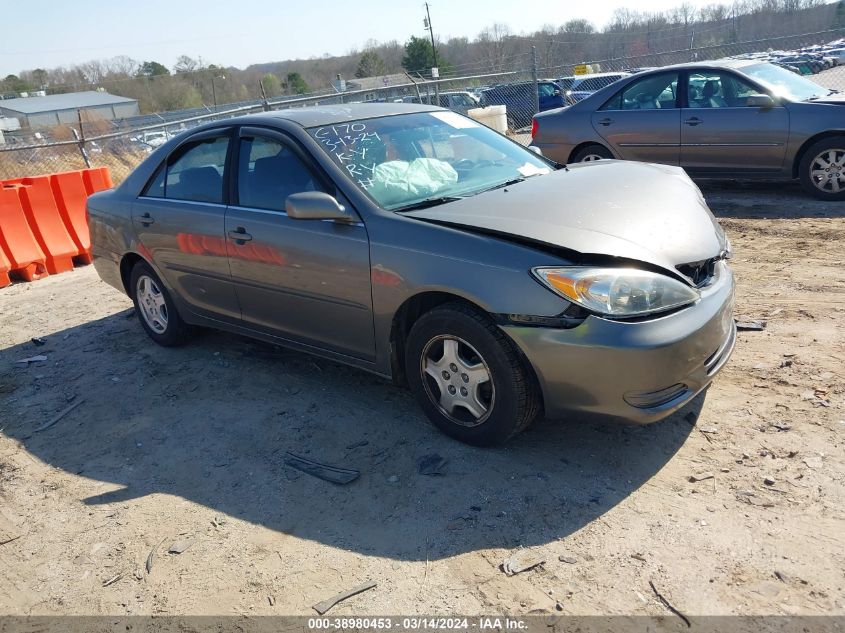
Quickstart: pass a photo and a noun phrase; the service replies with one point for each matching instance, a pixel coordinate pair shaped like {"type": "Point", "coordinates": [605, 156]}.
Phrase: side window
{"type": "Point", "coordinates": [655, 92]}
{"type": "Point", "coordinates": [715, 89]}
{"type": "Point", "coordinates": [546, 90]}
{"type": "Point", "coordinates": [155, 188]}
{"type": "Point", "coordinates": [268, 172]}
{"type": "Point", "coordinates": [196, 172]}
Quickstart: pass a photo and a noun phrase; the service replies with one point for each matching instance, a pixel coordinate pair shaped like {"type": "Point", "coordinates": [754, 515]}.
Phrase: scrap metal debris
{"type": "Point", "coordinates": [152, 556]}
{"type": "Point", "coordinates": [325, 605]}
{"type": "Point", "coordinates": [751, 326]}
{"type": "Point", "coordinates": [521, 561]}
{"type": "Point", "coordinates": [58, 416]}
{"type": "Point", "coordinates": [431, 464]}
{"type": "Point", "coordinates": [38, 341]}
{"type": "Point", "coordinates": [668, 605]}
{"type": "Point", "coordinates": [322, 471]}
{"type": "Point", "coordinates": [700, 477]}
{"type": "Point", "coordinates": [33, 359]}
{"type": "Point", "coordinates": [112, 580]}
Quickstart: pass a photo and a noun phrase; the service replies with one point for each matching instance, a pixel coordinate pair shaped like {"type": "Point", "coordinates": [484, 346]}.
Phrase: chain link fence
{"type": "Point", "coordinates": [518, 83]}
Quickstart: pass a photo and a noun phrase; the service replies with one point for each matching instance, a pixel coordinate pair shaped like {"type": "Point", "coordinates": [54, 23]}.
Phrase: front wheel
{"type": "Point", "coordinates": [155, 307]}
{"type": "Point", "coordinates": [822, 169]}
{"type": "Point", "coordinates": [469, 378]}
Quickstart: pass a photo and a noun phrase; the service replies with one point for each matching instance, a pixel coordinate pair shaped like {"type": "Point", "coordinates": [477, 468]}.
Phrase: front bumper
{"type": "Point", "coordinates": [641, 371]}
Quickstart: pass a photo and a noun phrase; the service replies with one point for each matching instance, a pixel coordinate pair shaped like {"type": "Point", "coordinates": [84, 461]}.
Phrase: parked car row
{"type": "Point", "coordinates": [809, 60]}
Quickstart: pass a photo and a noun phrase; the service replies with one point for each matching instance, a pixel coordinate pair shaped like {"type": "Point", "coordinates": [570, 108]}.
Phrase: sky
{"type": "Point", "coordinates": [247, 32]}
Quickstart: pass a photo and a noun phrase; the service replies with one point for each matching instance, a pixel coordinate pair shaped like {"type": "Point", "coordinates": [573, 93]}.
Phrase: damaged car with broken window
{"type": "Point", "coordinates": [415, 243]}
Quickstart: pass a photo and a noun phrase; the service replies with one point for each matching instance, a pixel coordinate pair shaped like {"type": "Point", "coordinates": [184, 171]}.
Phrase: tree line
{"type": "Point", "coordinates": [193, 82]}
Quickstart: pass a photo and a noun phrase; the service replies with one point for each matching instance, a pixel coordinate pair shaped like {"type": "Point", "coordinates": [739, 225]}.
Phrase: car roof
{"type": "Point", "coordinates": [310, 116]}
{"type": "Point", "coordinates": [713, 63]}
{"type": "Point", "coordinates": [607, 74]}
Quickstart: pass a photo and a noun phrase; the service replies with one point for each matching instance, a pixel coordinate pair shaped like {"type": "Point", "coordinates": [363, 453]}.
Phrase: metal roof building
{"type": "Point", "coordinates": [59, 109]}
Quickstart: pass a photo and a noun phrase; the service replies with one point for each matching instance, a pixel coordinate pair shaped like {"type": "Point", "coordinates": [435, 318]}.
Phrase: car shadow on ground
{"type": "Point", "coordinates": [764, 199]}
{"type": "Point", "coordinates": [211, 422]}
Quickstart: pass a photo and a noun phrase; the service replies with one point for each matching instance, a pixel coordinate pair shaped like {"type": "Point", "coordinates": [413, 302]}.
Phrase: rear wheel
{"type": "Point", "coordinates": [469, 378]}
{"type": "Point", "coordinates": [591, 153]}
{"type": "Point", "coordinates": [822, 169]}
{"type": "Point", "coordinates": [155, 308]}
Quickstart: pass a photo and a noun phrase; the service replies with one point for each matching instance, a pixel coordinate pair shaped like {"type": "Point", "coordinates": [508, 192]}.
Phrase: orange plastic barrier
{"type": "Point", "coordinates": [25, 256]}
{"type": "Point", "coordinates": [44, 222]}
{"type": "Point", "coordinates": [70, 195]}
{"type": "Point", "coordinates": [47, 224]}
{"type": "Point", "coordinates": [96, 179]}
{"type": "Point", "coordinates": [5, 267]}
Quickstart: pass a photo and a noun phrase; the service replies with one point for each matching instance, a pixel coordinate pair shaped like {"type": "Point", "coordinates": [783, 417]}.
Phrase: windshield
{"type": "Point", "coordinates": [403, 160]}
{"type": "Point", "coordinates": [784, 83]}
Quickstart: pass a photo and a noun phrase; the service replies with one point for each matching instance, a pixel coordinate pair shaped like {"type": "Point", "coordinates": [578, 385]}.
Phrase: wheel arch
{"type": "Point", "coordinates": [586, 144]}
{"type": "Point", "coordinates": [127, 263]}
{"type": "Point", "coordinates": [799, 155]}
{"type": "Point", "coordinates": [407, 314]}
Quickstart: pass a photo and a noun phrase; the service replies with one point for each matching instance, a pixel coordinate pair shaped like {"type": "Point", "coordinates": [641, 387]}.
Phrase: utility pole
{"type": "Point", "coordinates": [427, 24]}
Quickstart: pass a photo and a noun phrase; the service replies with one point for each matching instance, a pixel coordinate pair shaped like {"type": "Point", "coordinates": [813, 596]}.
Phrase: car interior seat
{"type": "Point", "coordinates": [711, 97]}
{"type": "Point", "coordinates": [273, 179]}
{"type": "Point", "coordinates": [203, 184]}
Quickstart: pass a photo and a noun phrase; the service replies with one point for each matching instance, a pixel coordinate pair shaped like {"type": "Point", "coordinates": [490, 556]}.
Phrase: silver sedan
{"type": "Point", "coordinates": [723, 119]}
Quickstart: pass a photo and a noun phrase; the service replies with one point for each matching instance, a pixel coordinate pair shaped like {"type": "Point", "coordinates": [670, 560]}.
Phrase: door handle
{"type": "Point", "coordinates": [145, 219]}
{"type": "Point", "coordinates": [240, 235]}
{"type": "Point", "coordinates": [693, 121]}
{"type": "Point", "coordinates": [605, 122]}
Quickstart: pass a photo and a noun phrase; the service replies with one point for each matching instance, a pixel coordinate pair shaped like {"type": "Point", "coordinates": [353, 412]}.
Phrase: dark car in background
{"type": "Point", "coordinates": [420, 245]}
{"type": "Point", "coordinates": [518, 98]}
{"type": "Point", "coordinates": [720, 119]}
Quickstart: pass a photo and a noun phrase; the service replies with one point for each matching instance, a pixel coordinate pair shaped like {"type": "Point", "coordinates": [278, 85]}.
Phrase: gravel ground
{"type": "Point", "coordinates": [188, 444]}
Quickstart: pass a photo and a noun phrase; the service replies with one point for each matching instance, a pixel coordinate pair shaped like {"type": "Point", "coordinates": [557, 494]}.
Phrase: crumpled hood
{"type": "Point", "coordinates": [650, 213]}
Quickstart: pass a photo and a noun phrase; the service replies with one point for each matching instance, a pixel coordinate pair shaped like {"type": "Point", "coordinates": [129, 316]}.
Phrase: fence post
{"type": "Point", "coordinates": [80, 138]}
{"type": "Point", "coordinates": [264, 103]}
{"type": "Point", "coordinates": [536, 81]}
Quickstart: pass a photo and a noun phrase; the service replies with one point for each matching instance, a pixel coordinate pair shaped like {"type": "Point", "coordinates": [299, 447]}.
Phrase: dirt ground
{"type": "Point", "coordinates": [189, 443]}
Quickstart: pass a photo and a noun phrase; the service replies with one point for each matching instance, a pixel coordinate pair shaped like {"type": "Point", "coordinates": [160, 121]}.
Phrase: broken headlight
{"type": "Point", "coordinates": [617, 292]}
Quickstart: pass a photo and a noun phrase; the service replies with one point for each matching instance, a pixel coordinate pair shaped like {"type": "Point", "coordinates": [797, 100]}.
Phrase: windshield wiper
{"type": "Point", "coordinates": [428, 202]}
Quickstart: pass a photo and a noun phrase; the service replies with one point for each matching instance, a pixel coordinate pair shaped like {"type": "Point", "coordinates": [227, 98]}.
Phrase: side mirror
{"type": "Point", "coordinates": [536, 150]}
{"type": "Point", "coordinates": [557, 93]}
{"type": "Point", "coordinates": [759, 101]}
{"type": "Point", "coordinates": [315, 205]}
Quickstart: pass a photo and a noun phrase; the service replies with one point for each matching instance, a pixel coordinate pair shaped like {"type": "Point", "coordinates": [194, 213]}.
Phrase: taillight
{"type": "Point", "coordinates": [533, 128]}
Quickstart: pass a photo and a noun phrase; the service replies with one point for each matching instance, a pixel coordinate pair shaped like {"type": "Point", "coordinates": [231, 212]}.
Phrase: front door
{"type": "Point", "coordinates": [304, 280]}
{"type": "Point", "coordinates": [642, 120]}
{"type": "Point", "coordinates": [720, 133]}
{"type": "Point", "coordinates": [179, 220]}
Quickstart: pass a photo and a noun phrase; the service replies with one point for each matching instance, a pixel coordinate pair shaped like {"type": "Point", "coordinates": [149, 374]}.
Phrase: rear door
{"type": "Point", "coordinates": [550, 95]}
{"type": "Point", "coordinates": [721, 133]}
{"type": "Point", "coordinates": [179, 220]}
{"type": "Point", "coordinates": [642, 121]}
{"type": "Point", "coordinates": [305, 280]}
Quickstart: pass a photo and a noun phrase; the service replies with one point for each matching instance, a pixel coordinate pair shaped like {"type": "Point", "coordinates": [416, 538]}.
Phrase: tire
{"type": "Point", "coordinates": [155, 308]}
{"type": "Point", "coordinates": [508, 401]}
{"type": "Point", "coordinates": [822, 169]}
{"type": "Point", "coordinates": [590, 153]}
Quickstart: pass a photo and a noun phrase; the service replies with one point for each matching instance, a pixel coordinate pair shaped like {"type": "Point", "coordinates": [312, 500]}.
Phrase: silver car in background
{"type": "Point", "coordinates": [415, 243]}
{"type": "Point", "coordinates": [722, 119]}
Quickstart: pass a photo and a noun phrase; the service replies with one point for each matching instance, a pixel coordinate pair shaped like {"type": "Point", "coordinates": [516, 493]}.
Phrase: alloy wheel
{"type": "Point", "coordinates": [457, 380]}
{"type": "Point", "coordinates": [827, 170]}
{"type": "Point", "coordinates": [589, 158]}
{"type": "Point", "coordinates": [152, 304]}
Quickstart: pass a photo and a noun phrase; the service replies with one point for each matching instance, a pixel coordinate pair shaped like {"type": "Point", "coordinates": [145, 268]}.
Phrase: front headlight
{"type": "Point", "coordinates": [618, 292]}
